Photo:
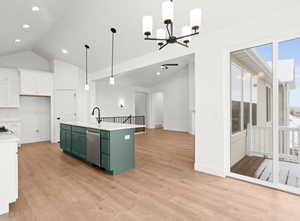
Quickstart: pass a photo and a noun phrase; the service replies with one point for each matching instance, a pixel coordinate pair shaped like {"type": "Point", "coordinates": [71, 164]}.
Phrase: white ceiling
{"type": "Point", "coordinates": [70, 24]}
{"type": "Point", "coordinates": [146, 77]}
{"type": "Point", "coordinates": [15, 13]}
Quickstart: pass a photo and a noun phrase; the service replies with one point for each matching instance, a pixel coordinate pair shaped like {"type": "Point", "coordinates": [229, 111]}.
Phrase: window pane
{"type": "Point", "coordinates": [251, 152]}
{"type": "Point", "coordinates": [236, 116]}
{"type": "Point", "coordinates": [236, 94]}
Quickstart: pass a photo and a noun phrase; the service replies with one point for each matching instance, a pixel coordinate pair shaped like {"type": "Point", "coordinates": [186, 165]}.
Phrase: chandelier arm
{"type": "Point", "coordinates": [156, 39]}
{"type": "Point", "coordinates": [163, 46]}
{"type": "Point", "coordinates": [185, 45]}
{"type": "Point", "coordinates": [186, 36]}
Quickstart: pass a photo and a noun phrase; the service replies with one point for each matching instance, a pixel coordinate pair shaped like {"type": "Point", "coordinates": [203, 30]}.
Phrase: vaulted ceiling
{"type": "Point", "coordinates": [70, 24]}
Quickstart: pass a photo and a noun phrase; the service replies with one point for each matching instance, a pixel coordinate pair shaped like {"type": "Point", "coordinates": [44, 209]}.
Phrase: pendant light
{"type": "Point", "coordinates": [86, 86]}
{"type": "Point", "coordinates": [112, 79]}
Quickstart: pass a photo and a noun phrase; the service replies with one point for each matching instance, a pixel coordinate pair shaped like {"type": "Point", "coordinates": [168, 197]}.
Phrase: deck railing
{"type": "Point", "coordinates": [259, 142]}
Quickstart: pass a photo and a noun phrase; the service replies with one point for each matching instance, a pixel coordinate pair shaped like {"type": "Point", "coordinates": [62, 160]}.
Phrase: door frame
{"type": "Point", "coordinates": [227, 106]}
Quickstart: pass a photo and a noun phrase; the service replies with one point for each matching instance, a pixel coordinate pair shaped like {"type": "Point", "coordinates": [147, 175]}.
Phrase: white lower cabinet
{"type": "Point", "coordinates": [9, 174]}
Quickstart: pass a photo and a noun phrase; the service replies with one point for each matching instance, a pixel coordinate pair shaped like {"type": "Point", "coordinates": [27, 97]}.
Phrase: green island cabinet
{"type": "Point", "coordinates": [117, 153]}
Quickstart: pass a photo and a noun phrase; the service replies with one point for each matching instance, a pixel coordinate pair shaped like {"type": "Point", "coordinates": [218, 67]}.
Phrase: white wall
{"type": "Point", "coordinates": [157, 110]}
{"type": "Point", "coordinates": [35, 119]}
{"type": "Point", "coordinates": [109, 98]}
{"type": "Point", "coordinates": [25, 60]}
{"type": "Point", "coordinates": [70, 77]}
{"type": "Point", "coordinates": [176, 101]}
{"type": "Point", "coordinates": [141, 105]}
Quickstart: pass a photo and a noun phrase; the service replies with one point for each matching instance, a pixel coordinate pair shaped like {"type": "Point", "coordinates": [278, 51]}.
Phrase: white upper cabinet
{"type": "Point", "coordinates": [9, 88]}
{"type": "Point", "coordinates": [36, 83]}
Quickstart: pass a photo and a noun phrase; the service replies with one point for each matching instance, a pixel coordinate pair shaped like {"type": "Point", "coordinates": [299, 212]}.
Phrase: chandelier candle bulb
{"type": "Point", "coordinates": [168, 12]}
{"type": "Point", "coordinates": [147, 25]}
{"type": "Point", "coordinates": [186, 30]}
{"type": "Point", "coordinates": [160, 34]}
{"type": "Point", "coordinates": [195, 18]}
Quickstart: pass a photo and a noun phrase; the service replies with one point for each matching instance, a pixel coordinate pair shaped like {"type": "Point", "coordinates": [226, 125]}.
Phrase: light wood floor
{"type": "Point", "coordinates": [55, 186]}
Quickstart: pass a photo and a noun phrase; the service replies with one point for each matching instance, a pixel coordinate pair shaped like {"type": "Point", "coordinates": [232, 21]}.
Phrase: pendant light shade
{"type": "Point", "coordinates": [186, 31]}
{"type": "Point", "coordinates": [86, 86]}
{"type": "Point", "coordinates": [147, 25]}
{"type": "Point", "coordinates": [196, 18]}
{"type": "Point", "coordinates": [167, 12]}
{"type": "Point", "coordinates": [112, 79]}
{"type": "Point", "coordinates": [160, 34]}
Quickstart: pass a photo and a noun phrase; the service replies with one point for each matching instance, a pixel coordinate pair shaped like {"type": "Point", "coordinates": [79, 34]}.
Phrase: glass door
{"type": "Point", "coordinates": [251, 149]}
{"type": "Point", "coordinates": [288, 75]}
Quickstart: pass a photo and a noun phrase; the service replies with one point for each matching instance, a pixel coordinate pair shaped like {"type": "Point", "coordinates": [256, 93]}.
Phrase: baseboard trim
{"type": "Point", "coordinates": [208, 170]}
{"type": "Point", "coordinates": [4, 208]}
{"type": "Point", "coordinates": [34, 140]}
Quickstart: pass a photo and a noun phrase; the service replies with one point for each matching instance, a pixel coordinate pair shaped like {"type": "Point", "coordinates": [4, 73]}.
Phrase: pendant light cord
{"type": "Point", "coordinates": [86, 65]}
{"type": "Point", "coordinates": [112, 54]}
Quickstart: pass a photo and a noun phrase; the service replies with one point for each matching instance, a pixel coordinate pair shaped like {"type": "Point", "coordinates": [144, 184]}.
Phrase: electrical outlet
{"type": "Point", "coordinates": [127, 137]}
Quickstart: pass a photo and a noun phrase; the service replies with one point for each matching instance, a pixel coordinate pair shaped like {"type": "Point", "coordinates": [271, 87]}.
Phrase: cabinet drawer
{"type": "Point", "coordinates": [105, 146]}
{"type": "Point", "coordinates": [104, 134]}
{"type": "Point", "coordinates": [105, 161]}
{"type": "Point", "coordinates": [79, 129]}
{"type": "Point", "coordinates": [65, 127]}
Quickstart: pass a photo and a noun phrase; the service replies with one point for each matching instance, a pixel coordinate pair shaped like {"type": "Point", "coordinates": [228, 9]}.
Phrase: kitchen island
{"type": "Point", "coordinates": [109, 146]}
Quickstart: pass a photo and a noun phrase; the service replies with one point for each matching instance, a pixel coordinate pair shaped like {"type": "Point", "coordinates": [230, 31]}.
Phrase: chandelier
{"type": "Point", "coordinates": [165, 37]}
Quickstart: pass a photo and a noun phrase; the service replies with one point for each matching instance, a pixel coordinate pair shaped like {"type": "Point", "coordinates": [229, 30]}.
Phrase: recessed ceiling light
{"type": "Point", "coordinates": [158, 73]}
{"type": "Point", "coordinates": [25, 26]}
{"type": "Point", "coordinates": [35, 8]}
{"type": "Point", "coordinates": [18, 40]}
{"type": "Point", "coordinates": [64, 51]}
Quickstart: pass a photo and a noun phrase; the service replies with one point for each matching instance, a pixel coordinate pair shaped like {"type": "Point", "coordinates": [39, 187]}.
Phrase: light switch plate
{"type": "Point", "coordinates": [127, 137]}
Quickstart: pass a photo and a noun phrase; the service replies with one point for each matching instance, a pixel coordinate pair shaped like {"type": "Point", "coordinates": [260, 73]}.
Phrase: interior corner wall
{"type": "Point", "coordinates": [25, 60]}
{"type": "Point", "coordinates": [212, 86]}
{"type": "Point", "coordinates": [175, 101]}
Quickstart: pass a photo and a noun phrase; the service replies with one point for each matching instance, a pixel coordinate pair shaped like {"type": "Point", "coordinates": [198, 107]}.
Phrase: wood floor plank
{"type": "Point", "coordinates": [164, 186]}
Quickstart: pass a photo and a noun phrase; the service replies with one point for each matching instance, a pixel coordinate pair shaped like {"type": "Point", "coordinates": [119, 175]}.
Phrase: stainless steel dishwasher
{"type": "Point", "coordinates": [93, 147]}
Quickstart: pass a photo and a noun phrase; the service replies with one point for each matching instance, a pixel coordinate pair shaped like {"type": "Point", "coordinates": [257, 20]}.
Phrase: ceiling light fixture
{"type": "Point", "coordinates": [64, 51]}
{"type": "Point", "coordinates": [168, 19]}
{"type": "Point", "coordinates": [112, 79]}
{"type": "Point", "coordinates": [35, 8]}
{"type": "Point", "coordinates": [18, 40]}
{"type": "Point", "coordinates": [86, 86]}
{"type": "Point", "coordinates": [25, 26]}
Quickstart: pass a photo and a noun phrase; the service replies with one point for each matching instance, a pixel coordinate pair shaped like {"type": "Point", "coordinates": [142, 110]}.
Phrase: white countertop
{"type": "Point", "coordinates": [8, 138]}
{"type": "Point", "coordinates": [104, 125]}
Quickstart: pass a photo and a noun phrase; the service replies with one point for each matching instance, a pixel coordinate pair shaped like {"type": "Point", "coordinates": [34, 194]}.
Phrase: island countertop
{"type": "Point", "coordinates": [104, 125]}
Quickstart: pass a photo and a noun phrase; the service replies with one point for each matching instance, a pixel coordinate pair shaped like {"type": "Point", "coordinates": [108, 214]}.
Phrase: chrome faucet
{"type": "Point", "coordinates": [97, 118]}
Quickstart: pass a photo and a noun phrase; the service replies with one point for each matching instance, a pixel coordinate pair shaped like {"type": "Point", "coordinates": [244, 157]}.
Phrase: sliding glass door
{"type": "Point", "coordinates": [288, 74]}
{"type": "Point", "coordinates": [251, 149]}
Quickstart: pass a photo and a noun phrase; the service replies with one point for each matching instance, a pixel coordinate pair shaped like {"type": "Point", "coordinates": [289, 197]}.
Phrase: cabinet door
{"type": "Point", "coordinates": [28, 83]}
{"type": "Point", "coordinates": [65, 139]}
{"type": "Point", "coordinates": [79, 144]}
{"type": "Point", "coordinates": [4, 92]}
{"type": "Point", "coordinates": [44, 84]}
